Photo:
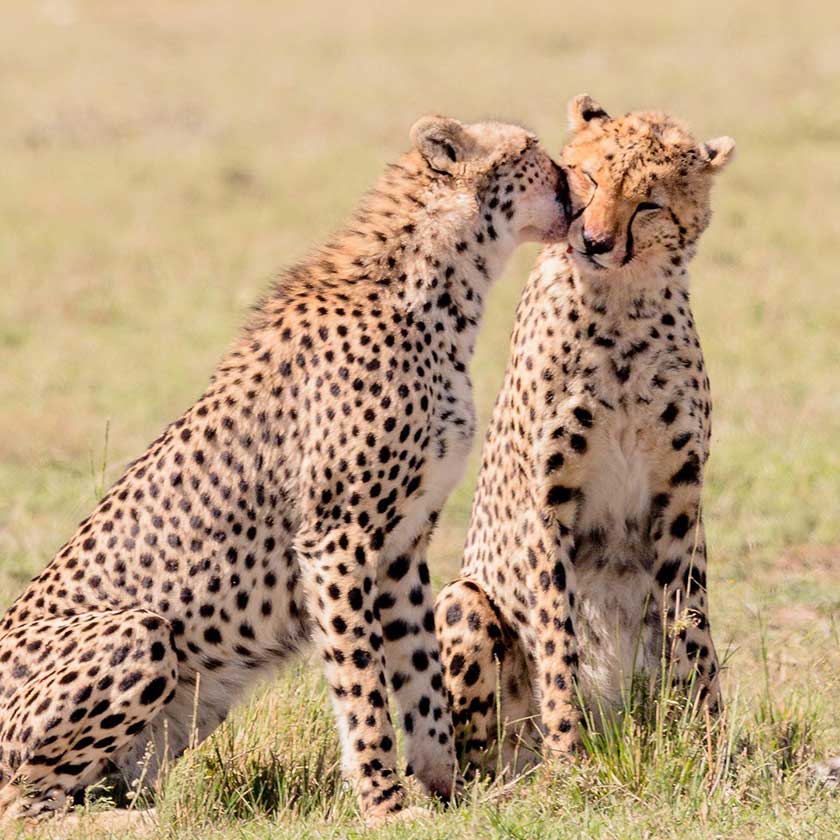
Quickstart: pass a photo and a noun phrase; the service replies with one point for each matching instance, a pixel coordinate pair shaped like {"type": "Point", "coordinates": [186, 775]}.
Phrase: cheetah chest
{"type": "Point", "coordinates": [618, 630]}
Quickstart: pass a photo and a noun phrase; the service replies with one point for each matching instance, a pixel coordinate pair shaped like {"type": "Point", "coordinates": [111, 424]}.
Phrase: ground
{"type": "Point", "coordinates": [162, 161]}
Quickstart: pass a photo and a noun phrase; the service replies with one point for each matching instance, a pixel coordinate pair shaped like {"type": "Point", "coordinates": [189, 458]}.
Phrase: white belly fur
{"type": "Point", "coordinates": [616, 646]}
{"type": "Point", "coordinates": [613, 580]}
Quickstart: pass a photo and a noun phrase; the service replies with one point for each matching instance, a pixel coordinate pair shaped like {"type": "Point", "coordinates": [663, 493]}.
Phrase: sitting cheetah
{"type": "Point", "coordinates": [586, 534]}
{"type": "Point", "coordinates": [295, 499]}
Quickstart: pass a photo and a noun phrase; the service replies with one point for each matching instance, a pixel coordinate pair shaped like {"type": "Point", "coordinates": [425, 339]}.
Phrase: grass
{"type": "Point", "coordinates": [161, 161]}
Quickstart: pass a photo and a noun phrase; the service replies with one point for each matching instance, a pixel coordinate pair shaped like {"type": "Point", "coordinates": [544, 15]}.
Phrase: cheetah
{"type": "Point", "coordinates": [292, 502]}
{"type": "Point", "coordinates": [585, 562]}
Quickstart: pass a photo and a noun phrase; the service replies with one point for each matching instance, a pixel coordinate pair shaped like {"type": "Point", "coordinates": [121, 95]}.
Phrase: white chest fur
{"type": "Point", "coordinates": [617, 638]}
{"type": "Point", "coordinates": [617, 483]}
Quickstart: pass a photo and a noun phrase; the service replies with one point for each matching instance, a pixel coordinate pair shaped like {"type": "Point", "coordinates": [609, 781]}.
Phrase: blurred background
{"type": "Point", "coordinates": [160, 162]}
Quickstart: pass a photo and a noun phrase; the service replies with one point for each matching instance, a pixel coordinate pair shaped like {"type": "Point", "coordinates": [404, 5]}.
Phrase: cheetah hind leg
{"type": "Point", "coordinates": [102, 677]}
{"type": "Point", "coordinates": [481, 655]}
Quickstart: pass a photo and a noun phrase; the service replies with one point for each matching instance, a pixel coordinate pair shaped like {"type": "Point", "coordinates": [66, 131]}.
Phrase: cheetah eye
{"type": "Point", "coordinates": [648, 206]}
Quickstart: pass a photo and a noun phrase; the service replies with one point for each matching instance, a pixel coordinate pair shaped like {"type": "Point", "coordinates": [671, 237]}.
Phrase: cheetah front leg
{"type": "Point", "coordinates": [405, 608]}
{"type": "Point", "coordinates": [551, 636]}
{"type": "Point", "coordinates": [680, 589]}
{"type": "Point", "coordinates": [560, 462]}
{"type": "Point", "coordinates": [339, 574]}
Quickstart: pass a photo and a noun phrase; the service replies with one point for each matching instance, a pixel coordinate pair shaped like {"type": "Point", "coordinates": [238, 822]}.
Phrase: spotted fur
{"type": "Point", "coordinates": [294, 500]}
{"type": "Point", "coordinates": [586, 557]}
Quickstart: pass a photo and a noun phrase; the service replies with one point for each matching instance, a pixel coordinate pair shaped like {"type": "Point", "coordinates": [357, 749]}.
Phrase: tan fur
{"type": "Point", "coordinates": [294, 500]}
{"type": "Point", "coordinates": [586, 536]}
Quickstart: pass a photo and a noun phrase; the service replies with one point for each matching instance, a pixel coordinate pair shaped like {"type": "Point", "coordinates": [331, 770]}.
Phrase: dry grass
{"type": "Point", "coordinates": [160, 161]}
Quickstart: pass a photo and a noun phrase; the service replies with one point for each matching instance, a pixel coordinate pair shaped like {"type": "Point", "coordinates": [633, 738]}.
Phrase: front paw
{"type": "Point", "coordinates": [380, 805]}
{"type": "Point", "coordinates": [562, 747]}
{"type": "Point", "coordinates": [443, 783]}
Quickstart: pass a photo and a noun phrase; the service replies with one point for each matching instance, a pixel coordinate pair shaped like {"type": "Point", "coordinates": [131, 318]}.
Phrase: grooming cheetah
{"type": "Point", "coordinates": [295, 499]}
{"type": "Point", "coordinates": [586, 534]}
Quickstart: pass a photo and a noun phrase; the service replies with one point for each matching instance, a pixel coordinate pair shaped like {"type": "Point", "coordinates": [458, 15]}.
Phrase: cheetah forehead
{"type": "Point", "coordinates": [639, 150]}
{"type": "Point", "coordinates": [502, 141]}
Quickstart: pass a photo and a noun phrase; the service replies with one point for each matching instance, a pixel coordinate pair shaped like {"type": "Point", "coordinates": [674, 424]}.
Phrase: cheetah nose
{"type": "Point", "coordinates": [595, 245]}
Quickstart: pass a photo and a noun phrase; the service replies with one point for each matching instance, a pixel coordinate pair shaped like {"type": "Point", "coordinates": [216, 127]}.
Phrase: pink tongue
{"type": "Point", "coordinates": [569, 249]}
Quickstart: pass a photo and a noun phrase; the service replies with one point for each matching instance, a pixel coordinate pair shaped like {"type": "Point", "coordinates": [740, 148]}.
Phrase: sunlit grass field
{"type": "Point", "coordinates": [161, 161]}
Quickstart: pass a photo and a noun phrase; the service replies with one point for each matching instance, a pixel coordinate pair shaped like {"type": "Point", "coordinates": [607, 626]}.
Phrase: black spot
{"type": "Point", "coordinates": [68, 769]}
{"type": "Point", "coordinates": [354, 598]}
{"type": "Point", "coordinates": [454, 614]}
{"type": "Point", "coordinates": [399, 568]}
{"type": "Point", "coordinates": [361, 658]}
{"type": "Point", "coordinates": [680, 526]}
{"type": "Point", "coordinates": [669, 414]}
{"type": "Point", "coordinates": [689, 472]}
{"type": "Point", "coordinates": [667, 572]}
{"type": "Point", "coordinates": [420, 660]}
{"type": "Point", "coordinates": [681, 440]}
{"type": "Point", "coordinates": [559, 495]}
{"type": "Point", "coordinates": [130, 681]}
{"type": "Point", "coordinates": [554, 463]}
{"type": "Point", "coordinates": [395, 630]}
{"type": "Point", "coordinates": [153, 691]}
{"type": "Point", "coordinates": [412, 485]}
{"type": "Point", "coordinates": [212, 636]}
{"type": "Point", "coordinates": [578, 443]}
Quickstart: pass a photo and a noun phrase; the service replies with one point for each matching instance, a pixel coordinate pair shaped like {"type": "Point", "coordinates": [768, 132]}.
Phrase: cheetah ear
{"type": "Point", "coordinates": [584, 110]}
{"type": "Point", "coordinates": [443, 142]}
{"type": "Point", "coordinates": [719, 152]}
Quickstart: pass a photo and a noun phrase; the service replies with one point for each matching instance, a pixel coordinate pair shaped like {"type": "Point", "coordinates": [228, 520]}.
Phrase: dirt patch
{"type": "Point", "coordinates": [813, 564]}
{"type": "Point", "coordinates": [809, 560]}
{"type": "Point", "coordinates": [794, 616]}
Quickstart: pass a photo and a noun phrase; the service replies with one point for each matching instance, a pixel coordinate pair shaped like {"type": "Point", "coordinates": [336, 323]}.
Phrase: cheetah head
{"type": "Point", "coordinates": [639, 188]}
{"type": "Point", "coordinates": [516, 191]}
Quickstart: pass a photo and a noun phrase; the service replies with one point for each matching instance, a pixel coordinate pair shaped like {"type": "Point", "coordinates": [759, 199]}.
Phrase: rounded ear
{"type": "Point", "coordinates": [719, 152]}
{"type": "Point", "coordinates": [583, 110]}
{"type": "Point", "coordinates": [442, 141]}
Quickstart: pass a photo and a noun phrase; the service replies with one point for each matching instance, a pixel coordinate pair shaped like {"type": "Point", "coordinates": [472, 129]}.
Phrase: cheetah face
{"type": "Point", "coordinates": [516, 192]}
{"type": "Point", "coordinates": [639, 188]}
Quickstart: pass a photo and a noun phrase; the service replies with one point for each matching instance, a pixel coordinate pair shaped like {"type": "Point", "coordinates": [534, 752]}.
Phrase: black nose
{"type": "Point", "coordinates": [597, 245]}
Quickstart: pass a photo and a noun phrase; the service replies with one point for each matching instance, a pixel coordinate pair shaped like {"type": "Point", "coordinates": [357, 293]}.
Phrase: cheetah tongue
{"type": "Point", "coordinates": [569, 249]}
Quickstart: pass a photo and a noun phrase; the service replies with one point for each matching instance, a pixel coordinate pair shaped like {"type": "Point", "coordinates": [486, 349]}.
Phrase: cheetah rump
{"type": "Point", "coordinates": [293, 501]}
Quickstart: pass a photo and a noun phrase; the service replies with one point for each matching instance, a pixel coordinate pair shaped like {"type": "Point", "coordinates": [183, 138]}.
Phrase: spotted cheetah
{"type": "Point", "coordinates": [293, 501]}
{"type": "Point", "coordinates": [585, 564]}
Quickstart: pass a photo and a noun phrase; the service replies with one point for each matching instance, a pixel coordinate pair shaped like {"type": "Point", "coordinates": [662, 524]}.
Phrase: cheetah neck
{"type": "Point", "coordinates": [428, 253]}
{"type": "Point", "coordinates": [623, 289]}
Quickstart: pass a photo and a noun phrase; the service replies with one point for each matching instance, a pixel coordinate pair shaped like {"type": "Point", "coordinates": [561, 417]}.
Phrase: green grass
{"type": "Point", "coordinates": [161, 161]}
